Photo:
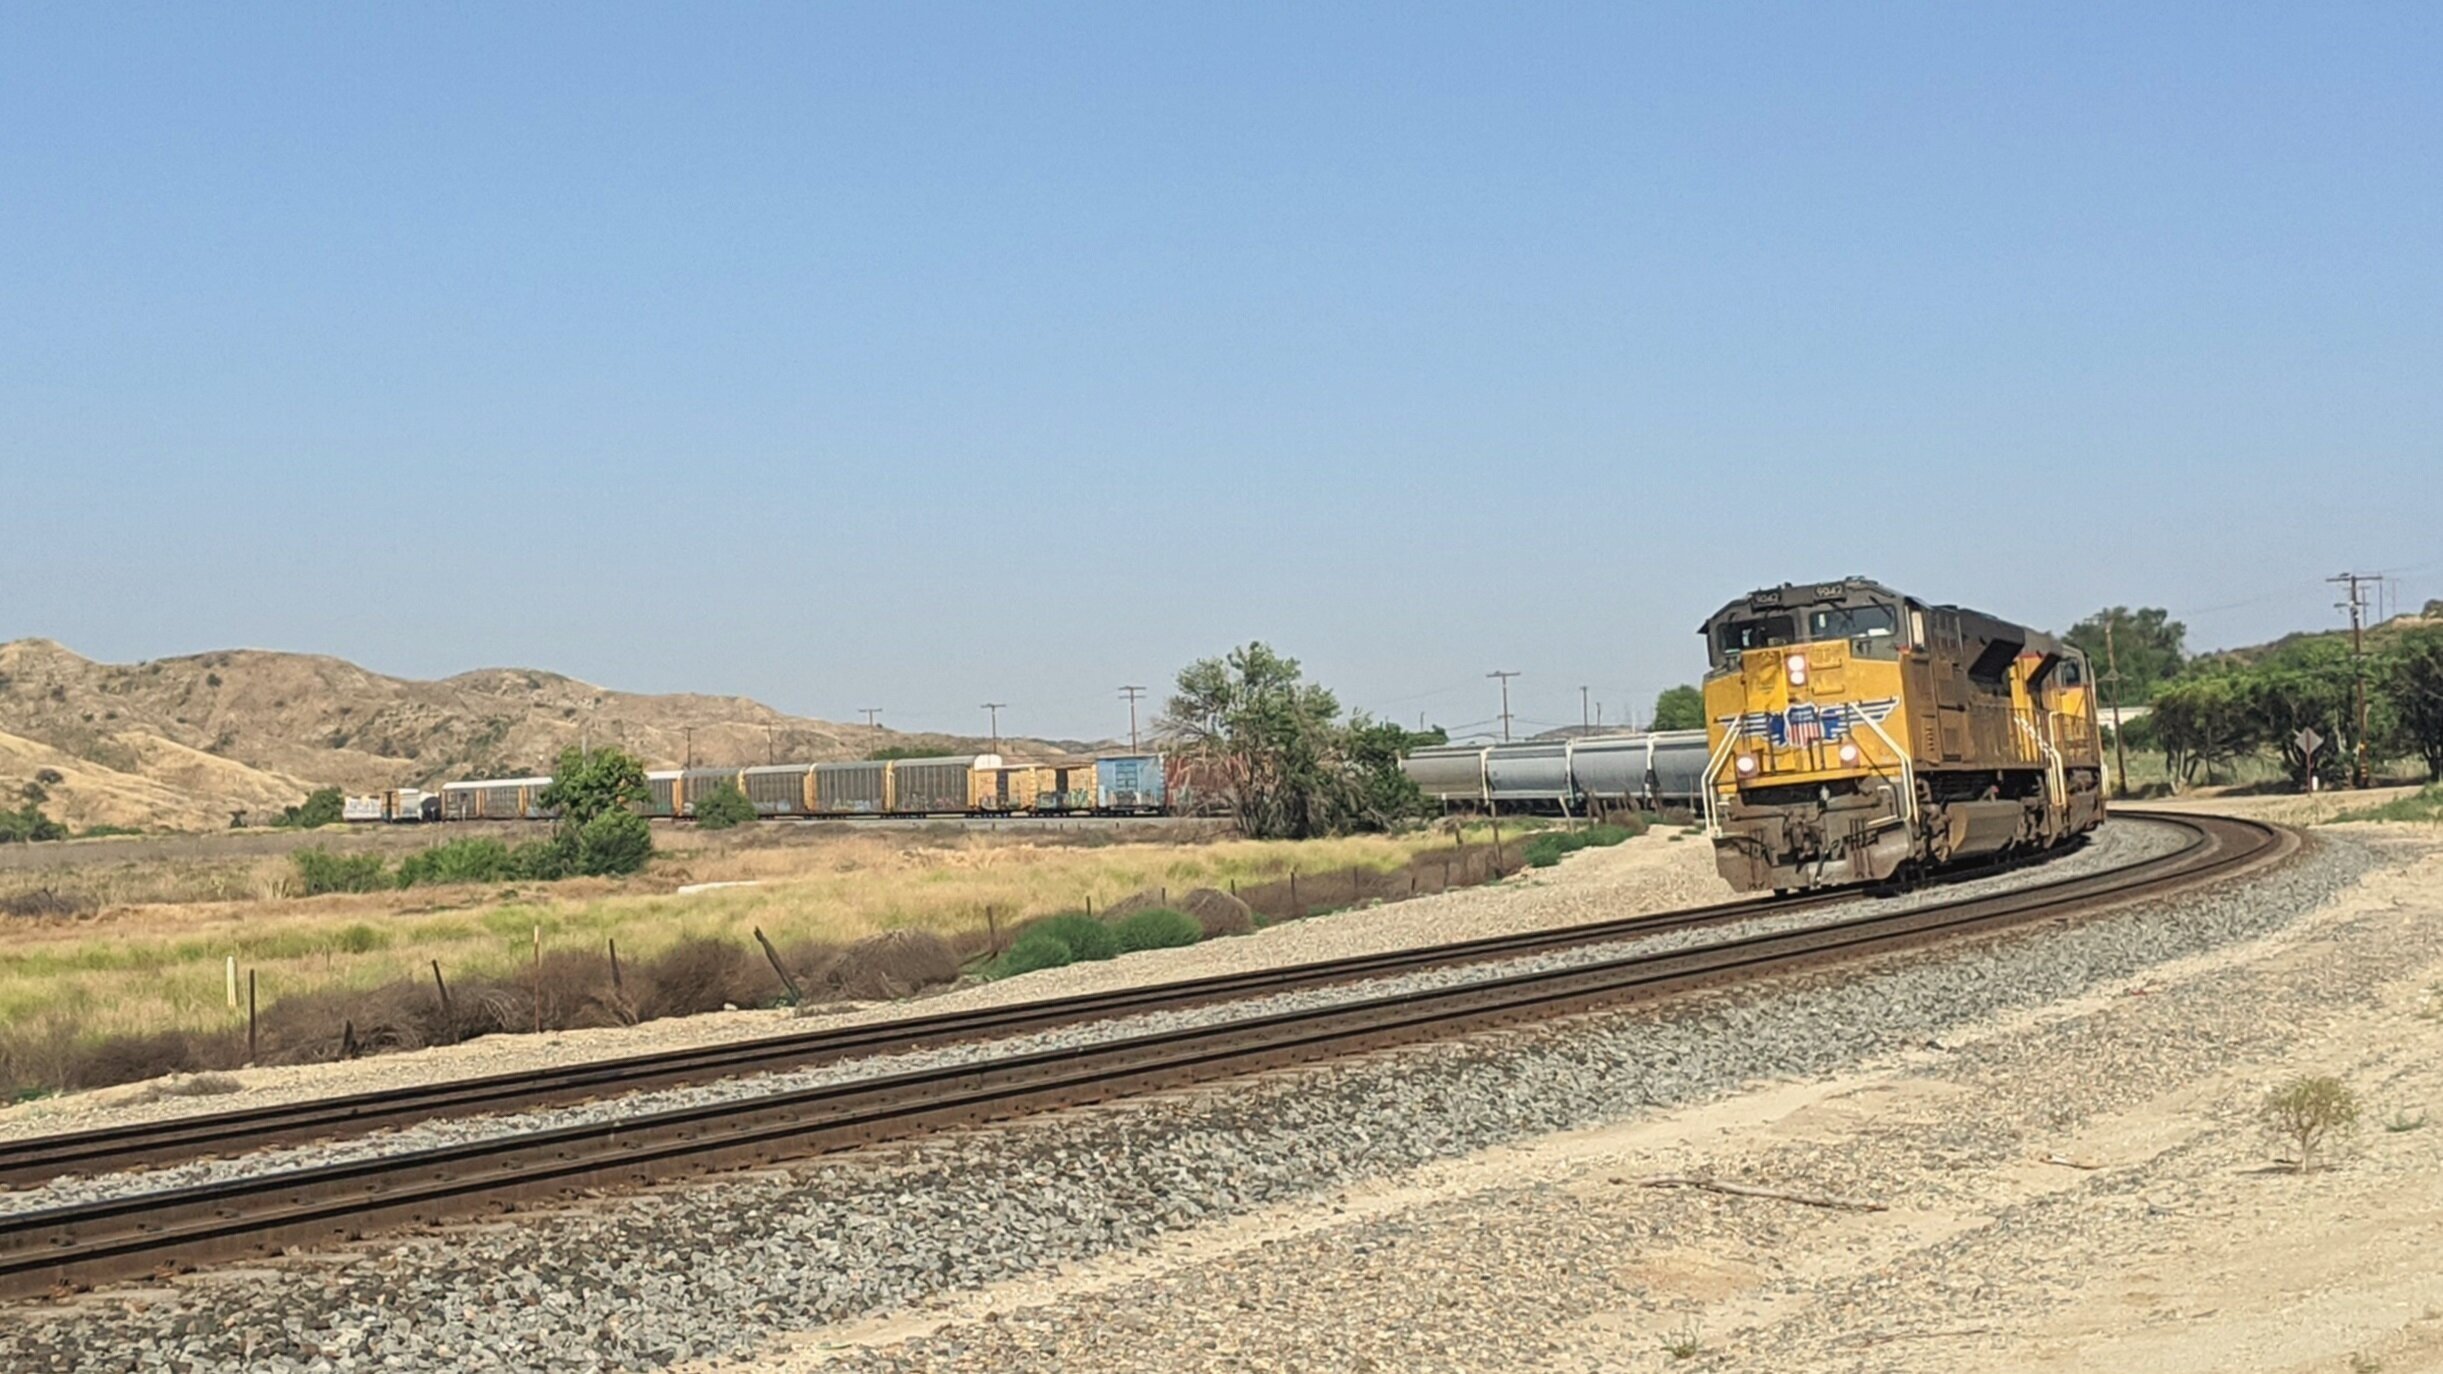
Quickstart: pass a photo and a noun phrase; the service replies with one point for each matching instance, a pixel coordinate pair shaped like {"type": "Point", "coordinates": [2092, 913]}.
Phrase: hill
{"type": "Point", "coordinates": [183, 742]}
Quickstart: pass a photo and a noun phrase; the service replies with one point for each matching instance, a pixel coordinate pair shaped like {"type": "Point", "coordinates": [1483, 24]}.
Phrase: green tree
{"type": "Point", "coordinates": [2201, 721]}
{"type": "Point", "coordinates": [2410, 678]}
{"type": "Point", "coordinates": [2304, 685]}
{"type": "Point", "coordinates": [1274, 747]}
{"type": "Point", "coordinates": [723, 807]}
{"type": "Point", "coordinates": [1679, 708]}
{"type": "Point", "coordinates": [322, 806]}
{"type": "Point", "coordinates": [588, 783]}
{"type": "Point", "coordinates": [612, 843]}
{"type": "Point", "coordinates": [2147, 645]}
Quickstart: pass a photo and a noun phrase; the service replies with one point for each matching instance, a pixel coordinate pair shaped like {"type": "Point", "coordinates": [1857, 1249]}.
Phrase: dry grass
{"type": "Point", "coordinates": [144, 966]}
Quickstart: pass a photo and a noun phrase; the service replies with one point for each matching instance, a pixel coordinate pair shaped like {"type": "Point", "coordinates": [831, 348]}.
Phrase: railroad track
{"type": "Point", "coordinates": [165, 1230]}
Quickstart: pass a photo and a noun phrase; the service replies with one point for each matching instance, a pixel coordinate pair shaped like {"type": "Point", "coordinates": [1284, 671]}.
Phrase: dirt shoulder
{"type": "Point", "coordinates": [2084, 1187]}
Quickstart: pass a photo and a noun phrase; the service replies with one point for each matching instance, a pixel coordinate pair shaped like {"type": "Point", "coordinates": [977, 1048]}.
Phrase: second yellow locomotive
{"type": "Point", "coordinates": [1857, 734]}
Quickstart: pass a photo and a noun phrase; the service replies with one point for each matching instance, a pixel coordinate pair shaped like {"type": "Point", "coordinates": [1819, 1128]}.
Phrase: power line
{"type": "Point", "coordinates": [1132, 693]}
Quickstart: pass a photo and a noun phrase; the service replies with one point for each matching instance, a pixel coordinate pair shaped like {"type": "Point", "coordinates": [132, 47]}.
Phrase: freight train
{"type": "Point", "coordinates": [1857, 735]}
{"type": "Point", "coordinates": [1650, 770]}
{"type": "Point", "coordinates": [953, 785]}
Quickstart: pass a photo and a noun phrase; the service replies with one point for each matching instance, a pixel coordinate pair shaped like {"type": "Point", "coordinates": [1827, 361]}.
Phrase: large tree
{"type": "Point", "coordinates": [1679, 708]}
{"type": "Point", "coordinates": [2305, 685]}
{"type": "Point", "coordinates": [1250, 727]}
{"type": "Point", "coordinates": [2410, 676]}
{"type": "Point", "coordinates": [2199, 722]}
{"type": "Point", "coordinates": [2146, 644]}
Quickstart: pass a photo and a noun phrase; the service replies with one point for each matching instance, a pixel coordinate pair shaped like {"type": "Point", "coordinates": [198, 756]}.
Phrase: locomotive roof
{"type": "Point", "coordinates": [1858, 591]}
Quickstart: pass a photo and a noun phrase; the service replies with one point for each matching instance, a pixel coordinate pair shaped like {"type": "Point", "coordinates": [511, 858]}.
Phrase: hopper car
{"type": "Point", "coordinates": [1856, 734]}
{"type": "Point", "coordinates": [1646, 770]}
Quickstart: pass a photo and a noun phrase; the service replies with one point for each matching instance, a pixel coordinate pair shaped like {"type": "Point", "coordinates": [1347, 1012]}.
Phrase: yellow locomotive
{"type": "Point", "coordinates": [1858, 735]}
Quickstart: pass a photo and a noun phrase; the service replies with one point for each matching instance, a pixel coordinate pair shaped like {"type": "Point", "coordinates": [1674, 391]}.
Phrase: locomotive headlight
{"type": "Point", "coordinates": [1797, 666]}
{"type": "Point", "coordinates": [1746, 765]}
{"type": "Point", "coordinates": [1849, 756]}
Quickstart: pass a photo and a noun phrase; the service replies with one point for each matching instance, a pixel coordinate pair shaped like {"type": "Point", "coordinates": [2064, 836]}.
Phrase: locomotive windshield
{"type": "Point", "coordinates": [1764, 632]}
{"type": "Point", "coordinates": [1851, 622]}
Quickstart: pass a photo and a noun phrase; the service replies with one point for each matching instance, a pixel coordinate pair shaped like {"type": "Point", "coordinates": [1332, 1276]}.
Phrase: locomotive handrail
{"type": "Point", "coordinates": [1908, 769]}
{"type": "Point", "coordinates": [1713, 777]}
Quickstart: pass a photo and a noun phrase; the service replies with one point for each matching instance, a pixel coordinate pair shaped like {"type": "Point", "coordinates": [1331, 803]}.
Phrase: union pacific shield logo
{"type": "Point", "coordinates": [1805, 726]}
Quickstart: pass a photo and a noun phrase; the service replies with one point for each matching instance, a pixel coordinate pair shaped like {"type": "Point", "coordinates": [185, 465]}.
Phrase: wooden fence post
{"type": "Point", "coordinates": [1295, 911]}
{"type": "Point", "coordinates": [251, 1056]}
{"type": "Point", "coordinates": [538, 978]}
{"type": "Point", "coordinates": [618, 984]}
{"type": "Point", "coordinates": [449, 1016]}
{"type": "Point", "coordinates": [795, 997]}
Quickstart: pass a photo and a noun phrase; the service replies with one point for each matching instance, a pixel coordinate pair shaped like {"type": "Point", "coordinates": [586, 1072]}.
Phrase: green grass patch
{"type": "Point", "coordinates": [2426, 804]}
{"type": "Point", "coordinates": [1547, 848]}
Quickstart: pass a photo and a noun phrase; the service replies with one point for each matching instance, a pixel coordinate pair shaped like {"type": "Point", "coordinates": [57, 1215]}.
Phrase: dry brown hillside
{"type": "Point", "coordinates": [183, 742]}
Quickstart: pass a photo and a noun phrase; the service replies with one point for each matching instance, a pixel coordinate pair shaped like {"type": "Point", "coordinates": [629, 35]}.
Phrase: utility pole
{"type": "Point", "coordinates": [2112, 674]}
{"type": "Point", "coordinates": [771, 743]}
{"type": "Point", "coordinates": [691, 748]}
{"type": "Point", "coordinates": [1586, 723]}
{"type": "Point", "coordinates": [995, 708]}
{"type": "Point", "coordinates": [2356, 605]}
{"type": "Point", "coordinates": [1132, 693]}
{"type": "Point", "coordinates": [1598, 715]}
{"type": "Point", "coordinates": [871, 713]}
{"type": "Point", "coordinates": [1505, 675]}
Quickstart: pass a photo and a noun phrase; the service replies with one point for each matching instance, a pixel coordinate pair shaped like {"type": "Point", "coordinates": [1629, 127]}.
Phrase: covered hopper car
{"type": "Point", "coordinates": [1649, 770]}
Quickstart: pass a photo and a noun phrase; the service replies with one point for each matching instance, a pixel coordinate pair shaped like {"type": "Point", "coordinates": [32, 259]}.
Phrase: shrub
{"type": "Point", "coordinates": [697, 975]}
{"type": "Point", "coordinates": [323, 871]}
{"type": "Point", "coordinates": [723, 807]}
{"type": "Point", "coordinates": [46, 903]}
{"type": "Point", "coordinates": [1157, 929]}
{"type": "Point", "coordinates": [612, 843]}
{"type": "Point", "coordinates": [129, 1058]}
{"type": "Point", "coordinates": [320, 807]}
{"type": "Point", "coordinates": [1086, 937]}
{"type": "Point", "coordinates": [459, 861]}
{"type": "Point", "coordinates": [2309, 1110]}
{"type": "Point", "coordinates": [543, 861]}
{"type": "Point", "coordinates": [1219, 913]}
{"type": "Point", "coordinates": [28, 824]}
{"type": "Point", "coordinates": [1037, 949]}
{"type": "Point", "coordinates": [894, 964]}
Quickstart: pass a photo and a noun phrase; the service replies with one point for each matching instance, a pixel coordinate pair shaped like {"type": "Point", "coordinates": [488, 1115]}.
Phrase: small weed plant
{"type": "Point", "coordinates": [2308, 1112]}
{"type": "Point", "coordinates": [1074, 937]}
{"type": "Point", "coordinates": [1687, 1342]}
{"type": "Point", "coordinates": [1547, 849]}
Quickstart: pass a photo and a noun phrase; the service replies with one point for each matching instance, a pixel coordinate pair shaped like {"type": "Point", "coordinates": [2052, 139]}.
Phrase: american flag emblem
{"type": "Point", "coordinates": [1806, 726]}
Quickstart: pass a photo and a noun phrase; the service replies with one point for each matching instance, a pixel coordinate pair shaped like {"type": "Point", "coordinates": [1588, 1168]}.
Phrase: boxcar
{"type": "Point", "coordinates": [1529, 773]}
{"type": "Point", "coordinates": [495, 799]}
{"type": "Point", "coordinates": [852, 789]}
{"type": "Point", "coordinates": [1130, 783]}
{"type": "Point", "coordinates": [695, 782]}
{"type": "Point", "coordinates": [662, 793]}
{"type": "Point", "coordinates": [784, 789]}
{"type": "Point", "coordinates": [936, 786]}
{"type": "Point", "coordinates": [1065, 787]}
{"type": "Point", "coordinates": [1002, 788]}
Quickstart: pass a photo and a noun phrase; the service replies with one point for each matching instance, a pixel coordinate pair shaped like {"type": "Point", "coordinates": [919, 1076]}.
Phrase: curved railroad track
{"type": "Point", "coordinates": [162, 1231]}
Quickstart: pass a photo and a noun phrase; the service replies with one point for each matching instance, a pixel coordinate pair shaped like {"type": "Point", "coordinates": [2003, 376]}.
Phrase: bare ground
{"type": "Point", "coordinates": [2080, 1188]}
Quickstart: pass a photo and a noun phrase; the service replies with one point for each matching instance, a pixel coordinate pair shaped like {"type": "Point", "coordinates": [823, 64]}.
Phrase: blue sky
{"type": "Point", "coordinates": [920, 355]}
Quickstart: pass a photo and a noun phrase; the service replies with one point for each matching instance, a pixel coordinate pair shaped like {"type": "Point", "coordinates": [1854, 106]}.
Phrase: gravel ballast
{"type": "Point", "coordinates": [719, 1268]}
{"type": "Point", "coordinates": [2118, 846]}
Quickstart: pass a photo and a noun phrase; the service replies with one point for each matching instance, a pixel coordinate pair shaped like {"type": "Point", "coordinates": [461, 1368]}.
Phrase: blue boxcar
{"type": "Point", "coordinates": [1129, 783]}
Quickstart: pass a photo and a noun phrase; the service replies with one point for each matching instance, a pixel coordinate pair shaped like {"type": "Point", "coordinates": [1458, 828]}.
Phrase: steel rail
{"type": "Point", "coordinates": [141, 1233]}
{"type": "Point", "coordinates": [33, 1160]}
